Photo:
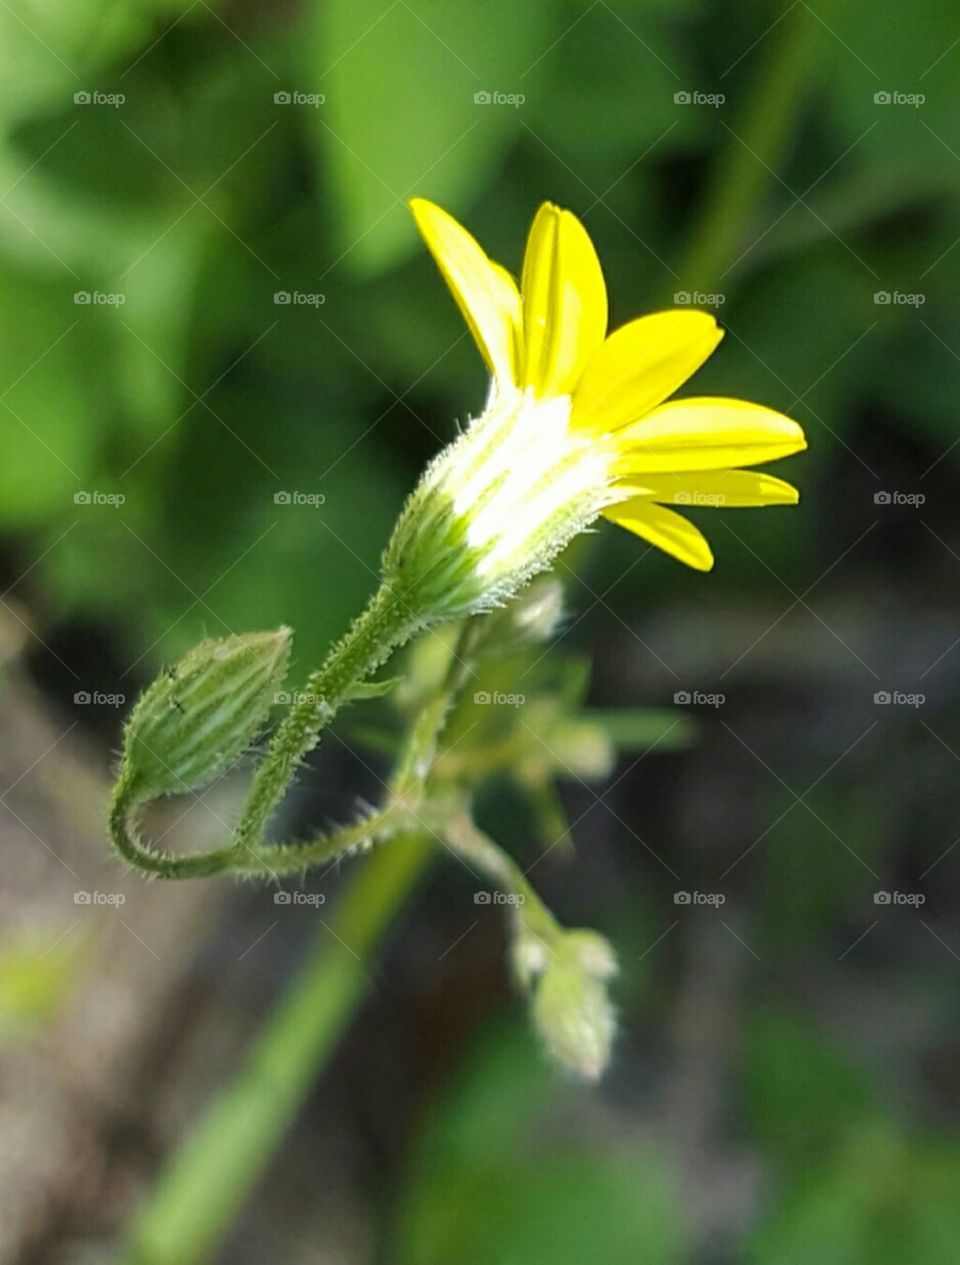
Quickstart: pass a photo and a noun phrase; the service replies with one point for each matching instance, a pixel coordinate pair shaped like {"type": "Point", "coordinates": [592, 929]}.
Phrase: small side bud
{"type": "Point", "coordinates": [593, 951]}
{"type": "Point", "coordinates": [529, 620]}
{"type": "Point", "coordinates": [574, 1017]}
{"type": "Point", "coordinates": [529, 956]}
{"type": "Point", "coordinates": [201, 715]}
{"type": "Point", "coordinates": [583, 748]}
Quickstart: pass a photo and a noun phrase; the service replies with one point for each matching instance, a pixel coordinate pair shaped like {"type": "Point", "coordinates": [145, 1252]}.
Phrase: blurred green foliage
{"type": "Point", "coordinates": [200, 197]}
{"type": "Point", "coordinates": [199, 398]}
{"type": "Point", "coordinates": [496, 1176]}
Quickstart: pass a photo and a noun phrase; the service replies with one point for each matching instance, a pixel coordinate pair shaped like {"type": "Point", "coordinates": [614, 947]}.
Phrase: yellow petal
{"type": "Point", "coordinates": [706, 434]}
{"type": "Point", "coordinates": [486, 294]}
{"type": "Point", "coordinates": [668, 531]}
{"type": "Point", "coordinates": [733, 489]}
{"type": "Point", "coordinates": [564, 302]}
{"type": "Point", "coordinates": [640, 365]}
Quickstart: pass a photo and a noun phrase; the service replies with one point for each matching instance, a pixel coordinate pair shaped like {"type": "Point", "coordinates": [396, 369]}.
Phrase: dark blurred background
{"type": "Point", "coordinates": [213, 296]}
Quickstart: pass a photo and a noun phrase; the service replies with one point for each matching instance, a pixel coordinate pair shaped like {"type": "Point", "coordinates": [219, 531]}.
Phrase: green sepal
{"type": "Point", "coordinates": [200, 715]}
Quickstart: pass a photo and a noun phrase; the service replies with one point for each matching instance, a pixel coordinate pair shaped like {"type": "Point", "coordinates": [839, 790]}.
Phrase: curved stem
{"type": "Point", "coordinates": [386, 624]}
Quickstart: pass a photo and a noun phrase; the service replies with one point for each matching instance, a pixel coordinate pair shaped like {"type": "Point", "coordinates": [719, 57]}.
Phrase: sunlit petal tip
{"type": "Point", "coordinates": [485, 293]}
{"type": "Point", "coordinates": [664, 529]}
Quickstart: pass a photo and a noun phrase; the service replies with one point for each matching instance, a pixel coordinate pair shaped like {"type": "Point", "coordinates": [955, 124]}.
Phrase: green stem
{"type": "Point", "coordinates": [467, 839]}
{"type": "Point", "coordinates": [752, 154]}
{"type": "Point", "coordinates": [383, 626]}
{"type": "Point", "coordinates": [196, 1200]}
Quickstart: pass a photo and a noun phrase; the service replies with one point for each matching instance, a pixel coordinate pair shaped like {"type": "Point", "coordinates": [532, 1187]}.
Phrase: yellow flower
{"type": "Point", "coordinates": [576, 424]}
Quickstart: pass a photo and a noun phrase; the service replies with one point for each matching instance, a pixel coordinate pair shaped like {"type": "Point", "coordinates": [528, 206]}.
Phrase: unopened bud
{"type": "Point", "coordinates": [583, 748]}
{"type": "Point", "coordinates": [198, 717]}
{"type": "Point", "coordinates": [530, 956]}
{"type": "Point", "coordinates": [529, 620]}
{"type": "Point", "coordinates": [574, 1017]}
{"type": "Point", "coordinates": [593, 951]}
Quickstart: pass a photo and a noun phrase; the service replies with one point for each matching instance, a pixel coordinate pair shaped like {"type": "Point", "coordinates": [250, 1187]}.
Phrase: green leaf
{"type": "Point", "coordinates": [382, 137]}
{"type": "Point", "coordinates": [643, 729]}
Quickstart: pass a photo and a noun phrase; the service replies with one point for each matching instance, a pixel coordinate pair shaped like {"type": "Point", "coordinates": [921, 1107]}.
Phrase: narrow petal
{"type": "Point", "coordinates": [733, 489]}
{"type": "Point", "coordinates": [486, 294]}
{"type": "Point", "coordinates": [668, 531]}
{"type": "Point", "coordinates": [640, 365]}
{"type": "Point", "coordinates": [564, 302]}
{"type": "Point", "coordinates": [706, 434]}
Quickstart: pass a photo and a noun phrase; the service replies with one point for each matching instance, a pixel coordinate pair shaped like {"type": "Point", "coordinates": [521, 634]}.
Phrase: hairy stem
{"type": "Point", "coordinates": [197, 1197]}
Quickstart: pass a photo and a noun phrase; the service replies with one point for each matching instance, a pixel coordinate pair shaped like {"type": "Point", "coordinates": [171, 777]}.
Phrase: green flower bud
{"type": "Point", "coordinates": [593, 952]}
{"type": "Point", "coordinates": [529, 620]}
{"type": "Point", "coordinates": [197, 718]}
{"type": "Point", "coordinates": [529, 955]}
{"type": "Point", "coordinates": [582, 748]}
{"type": "Point", "coordinates": [574, 1017]}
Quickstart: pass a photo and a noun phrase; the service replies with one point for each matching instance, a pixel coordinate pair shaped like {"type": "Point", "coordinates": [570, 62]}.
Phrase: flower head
{"type": "Point", "coordinates": [578, 423]}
